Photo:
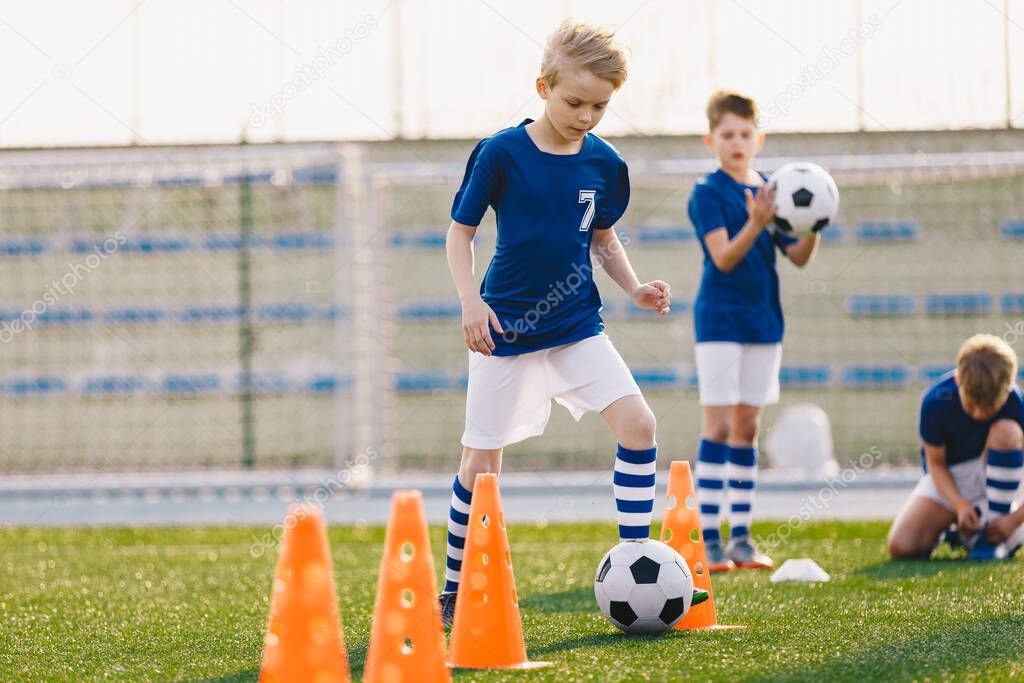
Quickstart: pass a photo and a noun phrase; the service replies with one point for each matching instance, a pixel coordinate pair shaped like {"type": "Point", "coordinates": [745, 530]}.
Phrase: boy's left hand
{"type": "Point", "coordinates": [654, 296]}
{"type": "Point", "coordinates": [999, 529]}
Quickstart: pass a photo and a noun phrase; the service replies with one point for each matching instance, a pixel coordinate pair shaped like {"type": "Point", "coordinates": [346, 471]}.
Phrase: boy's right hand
{"type": "Point", "coordinates": [477, 319]}
{"type": "Point", "coordinates": [761, 208]}
{"type": "Point", "coordinates": [967, 521]}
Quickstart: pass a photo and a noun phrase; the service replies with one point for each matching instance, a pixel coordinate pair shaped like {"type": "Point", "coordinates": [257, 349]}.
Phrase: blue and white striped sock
{"type": "Point", "coordinates": [633, 483]}
{"type": "Point", "coordinates": [742, 470]}
{"type": "Point", "coordinates": [458, 519]}
{"type": "Point", "coordinates": [1002, 477]}
{"type": "Point", "coordinates": [711, 458]}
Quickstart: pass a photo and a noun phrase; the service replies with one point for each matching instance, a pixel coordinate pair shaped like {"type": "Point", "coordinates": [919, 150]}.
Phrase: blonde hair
{"type": "Point", "coordinates": [576, 45]}
{"type": "Point", "coordinates": [986, 368]}
{"type": "Point", "coordinates": [724, 102]}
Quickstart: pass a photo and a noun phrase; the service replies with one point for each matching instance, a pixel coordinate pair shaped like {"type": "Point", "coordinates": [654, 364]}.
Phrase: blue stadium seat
{"type": "Point", "coordinates": [113, 385]}
{"type": "Point", "coordinates": [135, 315]}
{"type": "Point", "coordinates": [153, 244]}
{"type": "Point", "coordinates": [210, 313]}
{"type": "Point", "coordinates": [805, 376]}
{"type": "Point", "coordinates": [1012, 230]}
{"type": "Point", "coordinates": [412, 381]}
{"type": "Point", "coordinates": [140, 244]}
{"type": "Point", "coordinates": [888, 231]}
{"type": "Point", "coordinates": [315, 175]}
{"type": "Point", "coordinates": [261, 178]}
{"type": "Point", "coordinates": [286, 312]}
{"type": "Point", "coordinates": [305, 241]}
{"type": "Point", "coordinates": [180, 181]}
{"type": "Point", "coordinates": [190, 384]}
{"type": "Point", "coordinates": [429, 310]}
{"type": "Point", "coordinates": [864, 376]}
{"type": "Point", "coordinates": [33, 386]}
{"type": "Point", "coordinates": [930, 372]}
{"type": "Point", "coordinates": [964, 303]}
{"type": "Point", "coordinates": [887, 305]}
{"type": "Point", "coordinates": [65, 317]}
{"type": "Point", "coordinates": [327, 383]}
{"type": "Point", "coordinates": [664, 234]}
{"type": "Point", "coordinates": [655, 377]}
{"type": "Point", "coordinates": [1013, 302]}
{"type": "Point", "coordinates": [221, 242]}
{"type": "Point", "coordinates": [23, 246]}
{"type": "Point", "coordinates": [425, 239]}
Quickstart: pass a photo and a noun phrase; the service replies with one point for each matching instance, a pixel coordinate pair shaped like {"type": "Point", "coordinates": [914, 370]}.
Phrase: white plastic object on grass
{"type": "Point", "coordinates": [804, 569]}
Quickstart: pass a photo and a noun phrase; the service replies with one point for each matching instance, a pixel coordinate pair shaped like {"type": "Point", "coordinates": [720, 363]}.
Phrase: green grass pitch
{"type": "Point", "coordinates": [191, 604]}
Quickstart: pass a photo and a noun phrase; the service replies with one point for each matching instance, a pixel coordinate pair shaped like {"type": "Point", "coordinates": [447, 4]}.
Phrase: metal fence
{"type": "Point", "coordinates": [290, 306]}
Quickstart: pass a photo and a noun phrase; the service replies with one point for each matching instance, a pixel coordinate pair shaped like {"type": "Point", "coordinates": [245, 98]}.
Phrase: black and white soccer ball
{"type": "Point", "coordinates": [643, 586]}
{"type": "Point", "coordinates": [806, 198]}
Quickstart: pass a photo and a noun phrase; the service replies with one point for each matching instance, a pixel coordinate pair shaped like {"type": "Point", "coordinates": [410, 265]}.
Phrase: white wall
{"type": "Point", "coordinates": [125, 71]}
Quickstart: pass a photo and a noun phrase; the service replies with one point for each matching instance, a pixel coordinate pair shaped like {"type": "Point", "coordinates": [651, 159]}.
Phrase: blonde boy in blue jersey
{"type": "Point", "coordinates": [738, 323]}
{"type": "Point", "coordinates": [533, 326]}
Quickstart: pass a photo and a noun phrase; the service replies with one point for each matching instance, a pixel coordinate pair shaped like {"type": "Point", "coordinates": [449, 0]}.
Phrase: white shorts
{"type": "Point", "coordinates": [509, 397]}
{"type": "Point", "coordinates": [729, 373]}
{"type": "Point", "coordinates": [970, 482]}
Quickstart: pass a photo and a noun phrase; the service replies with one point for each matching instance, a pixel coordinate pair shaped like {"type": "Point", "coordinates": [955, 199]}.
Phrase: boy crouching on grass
{"type": "Point", "coordinates": [971, 433]}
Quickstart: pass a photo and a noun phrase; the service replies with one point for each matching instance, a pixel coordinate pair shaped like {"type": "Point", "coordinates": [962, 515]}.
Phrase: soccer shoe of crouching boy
{"type": "Point", "coordinates": [717, 561]}
{"type": "Point", "coordinates": [745, 555]}
{"type": "Point", "coordinates": [986, 550]}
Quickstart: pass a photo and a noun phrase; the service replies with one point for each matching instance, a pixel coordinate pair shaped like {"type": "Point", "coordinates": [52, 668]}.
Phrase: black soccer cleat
{"type": "Point", "coordinates": [447, 602]}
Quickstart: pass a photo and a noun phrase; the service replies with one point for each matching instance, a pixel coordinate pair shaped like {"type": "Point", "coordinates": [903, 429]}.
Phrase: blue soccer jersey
{"type": "Point", "coordinates": [742, 305]}
{"type": "Point", "coordinates": [944, 422]}
{"type": "Point", "coordinates": [540, 282]}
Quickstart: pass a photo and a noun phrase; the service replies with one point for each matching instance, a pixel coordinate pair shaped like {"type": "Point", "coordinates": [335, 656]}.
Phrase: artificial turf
{"type": "Point", "coordinates": [191, 604]}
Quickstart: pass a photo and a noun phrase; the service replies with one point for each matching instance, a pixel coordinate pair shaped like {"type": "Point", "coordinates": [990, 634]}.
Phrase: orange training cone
{"type": "Point", "coordinates": [304, 640]}
{"type": "Point", "coordinates": [407, 640]}
{"type": "Point", "coordinates": [682, 531]}
{"type": "Point", "coordinates": [487, 632]}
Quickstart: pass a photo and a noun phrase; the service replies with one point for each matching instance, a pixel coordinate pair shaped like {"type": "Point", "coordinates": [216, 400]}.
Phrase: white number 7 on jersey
{"type": "Point", "coordinates": [587, 197]}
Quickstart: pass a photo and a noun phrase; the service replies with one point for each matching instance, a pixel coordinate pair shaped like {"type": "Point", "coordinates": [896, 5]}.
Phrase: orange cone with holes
{"type": "Point", "coordinates": [487, 632]}
{"type": "Point", "coordinates": [407, 639]}
{"type": "Point", "coordinates": [304, 640]}
{"type": "Point", "coordinates": [682, 531]}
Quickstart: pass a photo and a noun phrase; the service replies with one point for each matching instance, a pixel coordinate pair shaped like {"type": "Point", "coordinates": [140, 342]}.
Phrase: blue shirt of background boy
{"type": "Point", "coordinates": [944, 422]}
{"type": "Point", "coordinates": [540, 282]}
{"type": "Point", "coordinates": [743, 305]}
